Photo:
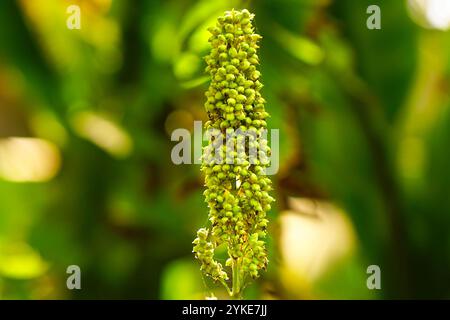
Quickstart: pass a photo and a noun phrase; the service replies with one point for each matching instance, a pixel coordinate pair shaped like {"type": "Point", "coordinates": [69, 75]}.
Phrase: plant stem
{"type": "Point", "coordinates": [236, 290]}
{"type": "Point", "coordinates": [226, 287]}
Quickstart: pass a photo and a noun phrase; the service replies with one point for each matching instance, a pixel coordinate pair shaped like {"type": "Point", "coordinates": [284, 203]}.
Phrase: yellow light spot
{"type": "Point", "coordinates": [20, 261]}
{"type": "Point", "coordinates": [28, 159]}
{"type": "Point", "coordinates": [313, 235]}
{"type": "Point", "coordinates": [431, 13]}
{"type": "Point", "coordinates": [103, 132]}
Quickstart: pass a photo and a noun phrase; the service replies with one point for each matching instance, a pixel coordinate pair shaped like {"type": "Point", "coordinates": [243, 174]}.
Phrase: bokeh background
{"type": "Point", "coordinates": [85, 170]}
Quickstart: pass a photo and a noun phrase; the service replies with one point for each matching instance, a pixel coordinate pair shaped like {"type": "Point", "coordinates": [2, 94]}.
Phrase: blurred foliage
{"type": "Point", "coordinates": [364, 124]}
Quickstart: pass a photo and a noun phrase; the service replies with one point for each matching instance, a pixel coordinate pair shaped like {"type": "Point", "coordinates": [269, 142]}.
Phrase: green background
{"type": "Point", "coordinates": [364, 126]}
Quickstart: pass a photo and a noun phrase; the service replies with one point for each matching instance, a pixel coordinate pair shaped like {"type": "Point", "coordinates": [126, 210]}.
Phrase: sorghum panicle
{"type": "Point", "coordinates": [237, 190]}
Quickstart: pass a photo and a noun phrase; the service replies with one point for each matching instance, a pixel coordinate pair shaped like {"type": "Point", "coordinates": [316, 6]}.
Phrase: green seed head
{"type": "Point", "coordinates": [236, 192]}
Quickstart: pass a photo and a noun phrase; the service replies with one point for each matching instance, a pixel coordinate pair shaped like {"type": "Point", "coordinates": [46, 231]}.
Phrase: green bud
{"type": "Point", "coordinates": [231, 101]}
{"type": "Point", "coordinates": [233, 52]}
{"type": "Point", "coordinates": [230, 77]}
{"type": "Point", "coordinates": [235, 62]}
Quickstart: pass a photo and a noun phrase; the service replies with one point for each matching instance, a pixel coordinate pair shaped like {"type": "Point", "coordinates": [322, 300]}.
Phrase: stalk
{"type": "Point", "coordinates": [236, 290]}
